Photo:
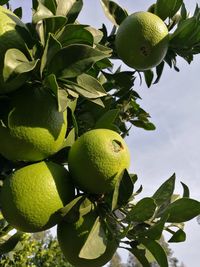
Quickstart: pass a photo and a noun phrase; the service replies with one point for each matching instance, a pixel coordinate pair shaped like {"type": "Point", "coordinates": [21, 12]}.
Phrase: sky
{"type": "Point", "coordinates": [174, 108]}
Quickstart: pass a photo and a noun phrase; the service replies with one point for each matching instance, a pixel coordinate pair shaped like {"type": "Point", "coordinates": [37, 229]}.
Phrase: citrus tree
{"type": "Point", "coordinates": [66, 107]}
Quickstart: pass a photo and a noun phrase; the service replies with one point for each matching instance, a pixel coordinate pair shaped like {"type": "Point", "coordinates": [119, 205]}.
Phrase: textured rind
{"type": "Point", "coordinates": [32, 195]}
{"type": "Point", "coordinates": [142, 40]}
{"type": "Point", "coordinates": [93, 163]}
{"type": "Point", "coordinates": [71, 238]}
{"type": "Point", "coordinates": [35, 128]}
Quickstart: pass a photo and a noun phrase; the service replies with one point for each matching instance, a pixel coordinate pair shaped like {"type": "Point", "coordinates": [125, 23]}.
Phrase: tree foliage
{"type": "Point", "coordinates": [77, 63]}
{"type": "Point", "coordinates": [41, 250]}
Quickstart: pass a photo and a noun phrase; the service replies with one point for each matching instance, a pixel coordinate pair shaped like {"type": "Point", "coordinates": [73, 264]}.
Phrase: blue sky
{"type": "Point", "coordinates": [174, 108]}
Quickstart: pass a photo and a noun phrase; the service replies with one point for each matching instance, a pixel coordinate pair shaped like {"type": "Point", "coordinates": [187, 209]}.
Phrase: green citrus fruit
{"type": "Point", "coordinates": [32, 195]}
{"type": "Point", "coordinates": [10, 38]}
{"type": "Point", "coordinates": [142, 40]}
{"type": "Point", "coordinates": [72, 236]}
{"type": "Point", "coordinates": [34, 128]}
{"type": "Point", "coordinates": [97, 159]}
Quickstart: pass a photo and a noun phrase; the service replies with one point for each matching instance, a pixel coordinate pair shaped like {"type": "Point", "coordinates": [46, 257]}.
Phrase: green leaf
{"type": "Point", "coordinates": [11, 243]}
{"type": "Point", "coordinates": [54, 24]}
{"type": "Point", "coordinates": [95, 244]}
{"type": "Point", "coordinates": [142, 211]}
{"type": "Point", "coordinates": [17, 68]}
{"type": "Point", "coordinates": [148, 75]}
{"type": "Point", "coordinates": [159, 71]}
{"type": "Point", "coordinates": [165, 191]}
{"type": "Point", "coordinates": [186, 191]}
{"type": "Point", "coordinates": [69, 8]}
{"type": "Point", "coordinates": [178, 236]}
{"type": "Point", "coordinates": [155, 231]}
{"type": "Point", "coordinates": [3, 2]}
{"type": "Point", "coordinates": [156, 250]}
{"type": "Point", "coordinates": [107, 120]}
{"type": "Point", "coordinates": [80, 59]}
{"type": "Point", "coordinates": [140, 256]}
{"type": "Point", "coordinates": [187, 34]}
{"type": "Point", "coordinates": [123, 190]}
{"type": "Point", "coordinates": [61, 95]}
{"type": "Point", "coordinates": [71, 211]}
{"type": "Point", "coordinates": [149, 126]}
{"type": "Point", "coordinates": [97, 34]}
{"type": "Point", "coordinates": [183, 210]}
{"type": "Point", "coordinates": [113, 11]}
{"type": "Point", "coordinates": [167, 8]}
{"type": "Point", "coordinates": [16, 63]}
{"type": "Point", "coordinates": [41, 13]}
{"type": "Point", "coordinates": [51, 48]}
{"type": "Point", "coordinates": [70, 138]}
{"type": "Point", "coordinates": [91, 85]}
{"type": "Point", "coordinates": [75, 34]}
{"type": "Point", "coordinates": [18, 12]}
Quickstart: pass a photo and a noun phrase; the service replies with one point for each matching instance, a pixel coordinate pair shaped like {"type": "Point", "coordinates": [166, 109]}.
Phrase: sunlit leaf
{"type": "Point", "coordinates": [95, 244]}
{"type": "Point", "coordinates": [113, 11]}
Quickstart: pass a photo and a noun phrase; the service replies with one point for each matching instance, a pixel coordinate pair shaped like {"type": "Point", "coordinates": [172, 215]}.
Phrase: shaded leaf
{"type": "Point", "coordinates": [178, 236]}
{"type": "Point", "coordinates": [156, 250]}
{"type": "Point", "coordinates": [107, 120]}
{"type": "Point", "coordinates": [155, 231]}
{"type": "Point", "coordinates": [75, 34]}
{"type": "Point", "coordinates": [18, 12]}
{"type": "Point", "coordinates": [142, 211]}
{"type": "Point", "coordinates": [148, 75]}
{"type": "Point", "coordinates": [165, 191]}
{"type": "Point", "coordinates": [140, 256]}
{"type": "Point", "coordinates": [144, 124]}
{"type": "Point", "coordinates": [73, 60]}
{"type": "Point", "coordinates": [51, 48]}
{"type": "Point", "coordinates": [183, 210]}
{"type": "Point", "coordinates": [11, 243]}
{"type": "Point", "coordinates": [123, 190]}
{"type": "Point", "coordinates": [167, 8]}
{"type": "Point", "coordinates": [186, 191]}
{"type": "Point", "coordinates": [159, 71]}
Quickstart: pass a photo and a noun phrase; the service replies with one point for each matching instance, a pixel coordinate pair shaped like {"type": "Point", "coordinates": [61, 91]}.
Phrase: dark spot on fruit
{"type": "Point", "coordinates": [117, 146]}
{"type": "Point", "coordinates": [144, 50]}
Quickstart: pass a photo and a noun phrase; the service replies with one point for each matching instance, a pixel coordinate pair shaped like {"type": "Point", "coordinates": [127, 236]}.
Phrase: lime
{"type": "Point", "coordinates": [142, 40]}
{"type": "Point", "coordinates": [97, 159]}
{"type": "Point", "coordinates": [32, 195]}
